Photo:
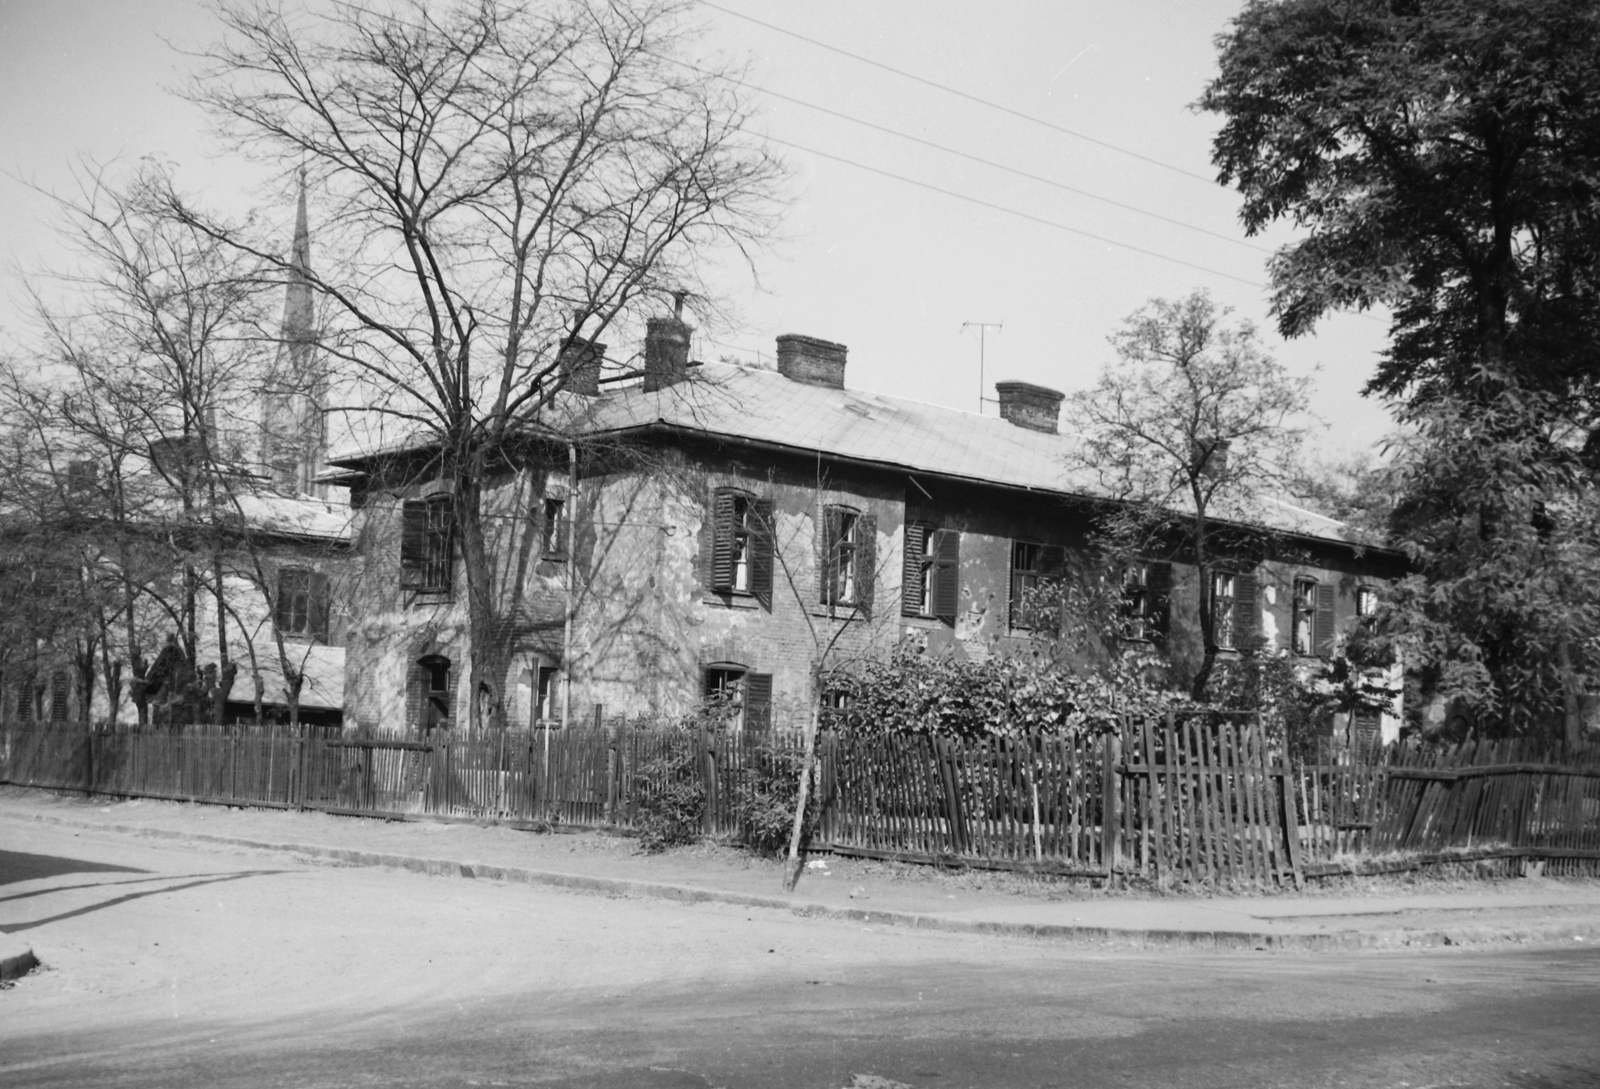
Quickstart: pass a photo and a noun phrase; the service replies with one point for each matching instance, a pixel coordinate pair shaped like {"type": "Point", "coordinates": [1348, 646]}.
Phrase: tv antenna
{"type": "Point", "coordinates": [983, 328]}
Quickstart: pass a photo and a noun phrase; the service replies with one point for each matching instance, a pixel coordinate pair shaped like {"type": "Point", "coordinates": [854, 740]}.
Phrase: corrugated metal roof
{"type": "Point", "coordinates": [733, 402]}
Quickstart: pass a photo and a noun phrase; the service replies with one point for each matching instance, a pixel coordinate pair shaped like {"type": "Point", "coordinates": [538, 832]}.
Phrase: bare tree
{"type": "Point", "coordinates": [1190, 429]}
{"type": "Point", "coordinates": [508, 180]}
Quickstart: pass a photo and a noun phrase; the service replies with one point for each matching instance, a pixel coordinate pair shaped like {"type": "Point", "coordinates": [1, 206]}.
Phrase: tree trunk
{"type": "Point", "coordinates": [1208, 626]}
{"type": "Point", "coordinates": [1571, 698]}
{"type": "Point", "coordinates": [808, 765]}
{"type": "Point", "coordinates": [485, 649]}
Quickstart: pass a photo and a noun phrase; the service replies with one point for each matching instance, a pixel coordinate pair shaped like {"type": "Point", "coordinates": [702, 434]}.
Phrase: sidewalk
{"type": "Point", "coordinates": [1479, 914]}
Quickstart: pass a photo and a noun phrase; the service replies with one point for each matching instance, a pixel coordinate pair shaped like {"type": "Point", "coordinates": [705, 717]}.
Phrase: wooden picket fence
{"type": "Point", "coordinates": [1198, 799]}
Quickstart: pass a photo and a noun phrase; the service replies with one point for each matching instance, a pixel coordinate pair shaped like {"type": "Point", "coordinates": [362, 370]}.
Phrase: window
{"type": "Point", "coordinates": [1313, 617]}
{"type": "Point", "coordinates": [1233, 610]}
{"type": "Point", "coordinates": [1146, 600]}
{"type": "Point", "coordinates": [426, 544]}
{"type": "Point", "coordinates": [848, 558]}
{"type": "Point", "coordinates": [1223, 589]}
{"type": "Point", "coordinates": [1305, 615]}
{"type": "Point", "coordinates": [25, 700]}
{"type": "Point", "coordinates": [749, 693]}
{"type": "Point", "coordinates": [1036, 573]}
{"type": "Point", "coordinates": [302, 605]}
{"type": "Point", "coordinates": [547, 706]}
{"type": "Point", "coordinates": [931, 579]}
{"type": "Point", "coordinates": [741, 545]}
{"type": "Point", "coordinates": [553, 530]}
{"type": "Point", "coordinates": [433, 672]}
{"type": "Point", "coordinates": [1366, 601]}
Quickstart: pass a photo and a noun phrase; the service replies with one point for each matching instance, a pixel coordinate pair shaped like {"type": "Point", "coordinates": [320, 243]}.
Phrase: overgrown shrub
{"type": "Point", "coordinates": [672, 797]}
{"type": "Point", "coordinates": [766, 812]}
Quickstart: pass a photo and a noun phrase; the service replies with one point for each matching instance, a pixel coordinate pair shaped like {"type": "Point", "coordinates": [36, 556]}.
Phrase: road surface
{"type": "Point", "coordinates": [174, 966]}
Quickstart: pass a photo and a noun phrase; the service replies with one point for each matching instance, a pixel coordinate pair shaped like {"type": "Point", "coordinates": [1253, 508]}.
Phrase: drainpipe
{"type": "Point", "coordinates": [572, 582]}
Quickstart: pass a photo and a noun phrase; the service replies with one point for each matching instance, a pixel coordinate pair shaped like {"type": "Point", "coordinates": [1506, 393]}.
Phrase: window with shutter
{"type": "Point", "coordinates": [758, 701]}
{"type": "Point", "coordinates": [846, 558]}
{"type": "Point", "coordinates": [1223, 589]}
{"type": "Point", "coordinates": [739, 556]}
{"type": "Point", "coordinates": [1303, 638]}
{"type": "Point", "coordinates": [60, 688]}
{"type": "Point", "coordinates": [1246, 612]}
{"type": "Point", "coordinates": [553, 530]}
{"type": "Point", "coordinates": [916, 570]}
{"type": "Point", "coordinates": [25, 700]}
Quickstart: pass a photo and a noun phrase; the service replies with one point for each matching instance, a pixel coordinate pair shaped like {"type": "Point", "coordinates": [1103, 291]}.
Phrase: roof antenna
{"type": "Point", "coordinates": [983, 328]}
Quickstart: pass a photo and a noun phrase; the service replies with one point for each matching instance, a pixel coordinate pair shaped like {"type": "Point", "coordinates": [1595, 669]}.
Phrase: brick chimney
{"type": "Point", "coordinates": [580, 366]}
{"type": "Point", "coordinates": [812, 361]}
{"type": "Point", "coordinates": [666, 349]}
{"type": "Point", "coordinates": [1037, 408]}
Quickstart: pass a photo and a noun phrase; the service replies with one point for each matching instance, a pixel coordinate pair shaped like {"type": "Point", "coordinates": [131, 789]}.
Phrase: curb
{"type": "Point", "coordinates": [1236, 940]}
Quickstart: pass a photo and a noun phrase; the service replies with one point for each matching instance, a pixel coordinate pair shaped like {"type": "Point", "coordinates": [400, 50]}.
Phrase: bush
{"type": "Point", "coordinates": [766, 813]}
{"type": "Point", "coordinates": [672, 798]}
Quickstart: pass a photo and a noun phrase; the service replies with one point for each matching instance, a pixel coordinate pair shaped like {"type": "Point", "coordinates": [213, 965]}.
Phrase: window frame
{"type": "Point", "coordinates": [1303, 615]}
{"type": "Point", "coordinates": [1225, 632]}
{"type": "Point", "coordinates": [302, 612]}
{"type": "Point", "coordinates": [553, 528]}
{"type": "Point", "coordinates": [427, 546]}
{"type": "Point", "coordinates": [1027, 578]}
{"type": "Point", "coordinates": [1146, 600]}
{"type": "Point", "coordinates": [738, 546]}
{"type": "Point", "coordinates": [932, 572]}
{"type": "Point", "coordinates": [753, 693]}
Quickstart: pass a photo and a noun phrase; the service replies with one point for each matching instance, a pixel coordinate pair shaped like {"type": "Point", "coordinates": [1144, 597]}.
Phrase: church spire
{"type": "Point", "coordinates": [299, 312]}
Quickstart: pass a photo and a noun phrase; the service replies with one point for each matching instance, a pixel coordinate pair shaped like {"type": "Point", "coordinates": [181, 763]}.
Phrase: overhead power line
{"type": "Point", "coordinates": [962, 94]}
{"type": "Point", "coordinates": [1013, 211]}
{"type": "Point", "coordinates": [974, 158]}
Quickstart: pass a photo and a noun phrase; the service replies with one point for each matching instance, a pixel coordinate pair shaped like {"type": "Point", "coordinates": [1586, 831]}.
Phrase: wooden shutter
{"type": "Point", "coordinates": [1322, 623]}
{"type": "Point", "coordinates": [722, 549]}
{"type": "Point", "coordinates": [947, 576]}
{"type": "Point", "coordinates": [916, 543]}
{"type": "Point", "coordinates": [1158, 585]}
{"type": "Point", "coordinates": [1246, 612]}
{"type": "Point", "coordinates": [761, 544]}
{"type": "Point", "coordinates": [758, 701]}
{"type": "Point", "coordinates": [866, 562]}
{"type": "Point", "coordinates": [828, 553]}
{"type": "Point", "coordinates": [413, 543]}
{"type": "Point", "coordinates": [318, 605]}
{"type": "Point", "coordinates": [58, 696]}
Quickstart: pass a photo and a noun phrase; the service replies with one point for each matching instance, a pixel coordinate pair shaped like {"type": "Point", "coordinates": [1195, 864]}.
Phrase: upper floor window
{"type": "Point", "coordinates": [931, 580]}
{"type": "Point", "coordinates": [1036, 572]}
{"type": "Point", "coordinates": [741, 545]}
{"type": "Point", "coordinates": [1313, 617]}
{"type": "Point", "coordinates": [553, 531]}
{"type": "Point", "coordinates": [426, 544]}
{"type": "Point", "coordinates": [847, 552]}
{"type": "Point", "coordinates": [302, 604]}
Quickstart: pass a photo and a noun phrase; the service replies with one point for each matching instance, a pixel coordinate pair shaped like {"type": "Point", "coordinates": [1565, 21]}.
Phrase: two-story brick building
{"type": "Point", "coordinates": [718, 524]}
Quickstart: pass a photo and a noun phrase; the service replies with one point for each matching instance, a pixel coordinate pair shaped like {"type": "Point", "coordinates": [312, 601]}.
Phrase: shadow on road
{"type": "Point", "coordinates": [20, 866]}
{"type": "Point", "coordinates": [114, 901]}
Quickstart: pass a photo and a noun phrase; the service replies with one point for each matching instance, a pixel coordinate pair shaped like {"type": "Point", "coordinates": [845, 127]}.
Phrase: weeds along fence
{"type": "Point", "coordinates": [1200, 798]}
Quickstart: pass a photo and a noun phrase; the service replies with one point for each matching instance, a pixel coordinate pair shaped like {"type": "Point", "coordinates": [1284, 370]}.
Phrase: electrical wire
{"type": "Point", "coordinates": [973, 158]}
{"type": "Point", "coordinates": [1015, 212]}
{"type": "Point", "coordinates": [961, 94]}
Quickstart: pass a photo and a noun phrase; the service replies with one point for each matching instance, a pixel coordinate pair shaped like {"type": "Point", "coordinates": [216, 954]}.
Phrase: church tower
{"type": "Point", "coordinates": [293, 424]}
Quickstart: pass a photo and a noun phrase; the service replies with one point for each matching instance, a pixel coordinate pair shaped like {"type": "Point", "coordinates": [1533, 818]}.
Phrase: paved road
{"type": "Point", "coordinates": [169, 966]}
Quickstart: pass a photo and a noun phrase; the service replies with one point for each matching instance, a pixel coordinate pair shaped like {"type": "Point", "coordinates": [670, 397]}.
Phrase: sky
{"type": "Point", "coordinates": [900, 269]}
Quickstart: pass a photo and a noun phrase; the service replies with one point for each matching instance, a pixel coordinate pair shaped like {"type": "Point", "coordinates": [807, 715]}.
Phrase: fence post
{"type": "Point", "coordinates": [708, 774]}
{"type": "Point", "coordinates": [1110, 804]}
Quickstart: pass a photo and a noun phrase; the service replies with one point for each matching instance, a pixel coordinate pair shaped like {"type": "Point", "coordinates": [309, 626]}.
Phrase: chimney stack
{"type": "Point", "coordinates": [812, 361]}
{"type": "Point", "coordinates": [580, 366]}
{"type": "Point", "coordinates": [1038, 408]}
{"type": "Point", "coordinates": [666, 348]}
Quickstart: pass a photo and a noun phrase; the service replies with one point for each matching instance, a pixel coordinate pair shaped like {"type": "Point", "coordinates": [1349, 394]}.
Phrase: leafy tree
{"type": "Point", "coordinates": [1191, 426]}
{"type": "Point", "coordinates": [512, 178]}
{"type": "Point", "coordinates": [1444, 158]}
